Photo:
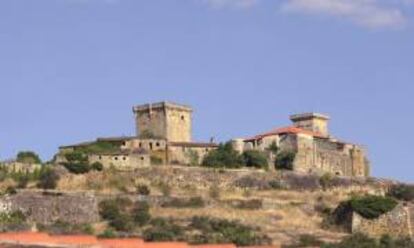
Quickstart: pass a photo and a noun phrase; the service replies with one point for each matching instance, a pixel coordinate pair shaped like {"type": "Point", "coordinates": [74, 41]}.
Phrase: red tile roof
{"type": "Point", "coordinates": [286, 130]}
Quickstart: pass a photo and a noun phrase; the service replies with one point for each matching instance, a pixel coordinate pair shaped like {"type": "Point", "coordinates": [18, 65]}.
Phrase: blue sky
{"type": "Point", "coordinates": [71, 70]}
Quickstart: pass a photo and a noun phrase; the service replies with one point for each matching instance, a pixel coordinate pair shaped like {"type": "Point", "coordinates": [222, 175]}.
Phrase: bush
{"type": "Point", "coordinates": [28, 157]}
{"type": "Point", "coordinates": [326, 181]}
{"type": "Point", "coordinates": [223, 157]}
{"type": "Point", "coordinates": [109, 233]}
{"type": "Point", "coordinates": [193, 202]}
{"type": "Point", "coordinates": [77, 167]}
{"type": "Point", "coordinates": [22, 181]}
{"type": "Point", "coordinates": [116, 212]}
{"type": "Point", "coordinates": [363, 241]}
{"type": "Point", "coordinates": [76, 156]}
{"type": "Point", "coordinates": [156, 160]}
{"type": "Point", "coordinates": [371, 207]}
{"type": "Point", "coordinates": [284, 160]}
{"type": "Point", "coordinates": [256, 159]}
{"type": "Point", "coordinates": [143, 190]}
{"type": "Point", "coordinates": [48, 179]}
{"type": "Point", "coordinates": [14, 221]}
{"type": "Point", "coordinates": [97, 166]}
{"type": "Point", "coordinates": [402, 192]}
{"type": "Point", "coordinates": [228, 231]}
{"type": "Point", "coordinates": [141, 214]}
{"type": "Point", "coordinates": [163, 230]}
{"type": "Point", "coordinates": [64, 228]}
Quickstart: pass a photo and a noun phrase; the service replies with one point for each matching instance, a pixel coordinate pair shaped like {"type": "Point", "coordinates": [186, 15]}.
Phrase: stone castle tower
{"type": "Point", "coordinates": [314, 122]}
{"type": "Point", "coordinates": [164, 120]}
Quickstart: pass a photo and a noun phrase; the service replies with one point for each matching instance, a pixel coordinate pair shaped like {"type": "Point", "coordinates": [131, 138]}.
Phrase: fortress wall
{"type": "Point", "coordinates": [395, 223]}
{"type": "Point", "coordinates": [46, 208]}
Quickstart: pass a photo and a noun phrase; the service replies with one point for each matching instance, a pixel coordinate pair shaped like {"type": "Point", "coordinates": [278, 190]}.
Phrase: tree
{"type": "Point", "coordinates": [97, 166]}
{"type": "Point", "coordinates": [28, 157]}
{"type": "Point", "coordinates": [223, 157]}
{"type": "Point", "coordinates": [256, 159]}
{"type": "Point", "coordinates": [403, 192]}
{"type": "Point", "coordinates": [285, 160]}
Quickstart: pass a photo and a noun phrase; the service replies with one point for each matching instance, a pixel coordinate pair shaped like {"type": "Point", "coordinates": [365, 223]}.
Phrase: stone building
{"type": "Point", "coordinates": [316, 150]}
{"type": "Point", "coordinates": [163, 136]}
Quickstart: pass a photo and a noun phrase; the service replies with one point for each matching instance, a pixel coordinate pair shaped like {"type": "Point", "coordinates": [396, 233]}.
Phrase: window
{"type": "Point", "coordinates": [157, 144]}
{"type": "Point", "coordinates": [142, 158]}
{"type": "Point", "coordinates": [124, 158]}
{"type": "Point", "coordinates": [100, 157]}
{"type": "Point", "coordinates": [150, 145]}
{"type": "Point", "coordinates": [140, 145]}
{"type": "Point", "coordinates": [124, 143]}
{"type": "Point", "coordinates": [116, 158]}
{"type": "Point", "coordinates": [182, 117]}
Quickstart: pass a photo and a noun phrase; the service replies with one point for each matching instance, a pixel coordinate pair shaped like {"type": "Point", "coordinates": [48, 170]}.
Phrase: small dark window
{"type": "Point", "coordinates": [123, 143]}
{"type": "Point", "coordinates": [142, 158]}
{"type": "Point", "coordinates": [100, 157]}
{"type": "Point", "coordinates": [206, 149]}
{"type": "Point", "coordinates": [116, 158]}
{"type": "Point", "coordinates": [124, 158]}
{"type": "Point", "coordinates": [150, 145]}
{"type": "Point", "coordinates": [182, 117]}
{"type": "Point", "coordinates": [157, 144]}
{"type": "Point", "coordinates": [140, 145]}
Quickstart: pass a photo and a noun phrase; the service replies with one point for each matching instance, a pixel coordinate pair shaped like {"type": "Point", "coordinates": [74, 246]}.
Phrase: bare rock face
{"type": "Point", "coordinates": [48, 207]}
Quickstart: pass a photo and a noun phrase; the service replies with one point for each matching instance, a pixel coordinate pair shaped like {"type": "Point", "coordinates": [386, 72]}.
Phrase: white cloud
{"type": "Point", "coordinates": [231, 3]}
{"type": "Point", "coordinates": [367, 13]}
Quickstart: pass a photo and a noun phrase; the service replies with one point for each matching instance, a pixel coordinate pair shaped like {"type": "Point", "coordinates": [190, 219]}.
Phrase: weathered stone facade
{"type": "Point", "coordinates": [122, 160]}
{"type": "Point", "coordinates": [165, 121]}
{"type": "Point", "coordinates": [18, 167]}
{"type": "Point", "coordinates": [316, 151]}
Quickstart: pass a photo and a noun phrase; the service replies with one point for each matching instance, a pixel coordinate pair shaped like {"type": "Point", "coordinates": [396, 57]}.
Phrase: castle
{"type": "Point", "coordinates": [164, 136]}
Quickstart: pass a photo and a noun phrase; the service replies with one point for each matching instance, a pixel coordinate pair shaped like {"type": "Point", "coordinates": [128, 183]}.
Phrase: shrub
{"type": "Point", "coordinates": [402, 192]}
{"type": "Point", "coordinates": [11, 190]}
{"type": "Point", "coordinates": [229, 231]}
{"type": "Point", "coordinates": [76, 156]}
{"type": "Point", "coordinates": [284, 160]}
{"type": "Point", "coordinates": [28, 157]}
{"type": "Point", "coordinates": [77, 167]}
{"type": "Point", "coordinates": [371, 207]}
{"type": "Point", "coordinates": [143, 190]}
{"type": "Point", "coordinates": [14, 221]}
{"type": "Point", "coordinates": [141, 214]}
{"type": "Point", "coordinates": [273, 148]}
{"type": "Point", "coordinates": [193, 157]}
{"type": "Point", "coordinates": [109, 233]}
{"type": "Point", "coordinates": [156, 160]}
{"type": "Point", "coordinates": [326, 181]}
{"type": "Point", "coordinates": [22, 181]}
{"type": "Point", "coordinates": [193, 202]}
{"type": "Point", "coordinates": [256, 159]}
{"type": "Point", "coordinates": [163, 230]}
{"type": "Point", "coordinates": [97, 166]}
{"type": "Point", "coordinates": [223, 157]}
{"type": "Point", "coordinates": [115, 211]}
{"type": "Point", "coordinates": [48, 179]}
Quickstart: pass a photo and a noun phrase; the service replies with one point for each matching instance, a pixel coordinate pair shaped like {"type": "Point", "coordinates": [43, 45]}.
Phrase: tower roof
{"type": "Point", "coordinates": [307, 116]}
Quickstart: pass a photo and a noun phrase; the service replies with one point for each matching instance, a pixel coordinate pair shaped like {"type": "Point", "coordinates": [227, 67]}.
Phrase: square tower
{"type": "Point", "coordinates": [314, 122]}
{"type": "Point", "coordinates": [164, 120]}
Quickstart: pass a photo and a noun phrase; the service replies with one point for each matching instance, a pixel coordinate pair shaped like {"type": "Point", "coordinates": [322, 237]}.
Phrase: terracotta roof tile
{"type": "Point", "coordinates": [286, 130]}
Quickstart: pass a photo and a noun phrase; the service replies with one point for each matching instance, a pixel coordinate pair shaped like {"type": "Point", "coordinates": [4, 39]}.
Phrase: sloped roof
{"type": "Point", "coordinates": [286, 130]}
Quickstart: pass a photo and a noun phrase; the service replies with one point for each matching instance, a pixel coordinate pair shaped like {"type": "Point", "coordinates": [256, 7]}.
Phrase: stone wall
{"type": "Point", "coordinates": [46, 208]}
{"type": "Point", "coordinates": [122, 161]}
{"type": "Point", "coordinates": [165, 120]}
{"type": "Point", "coordinates": [395, 223]}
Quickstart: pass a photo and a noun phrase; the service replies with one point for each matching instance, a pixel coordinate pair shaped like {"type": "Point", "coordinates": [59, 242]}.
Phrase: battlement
{"type": "Point", "coordinates": [161, 105]}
